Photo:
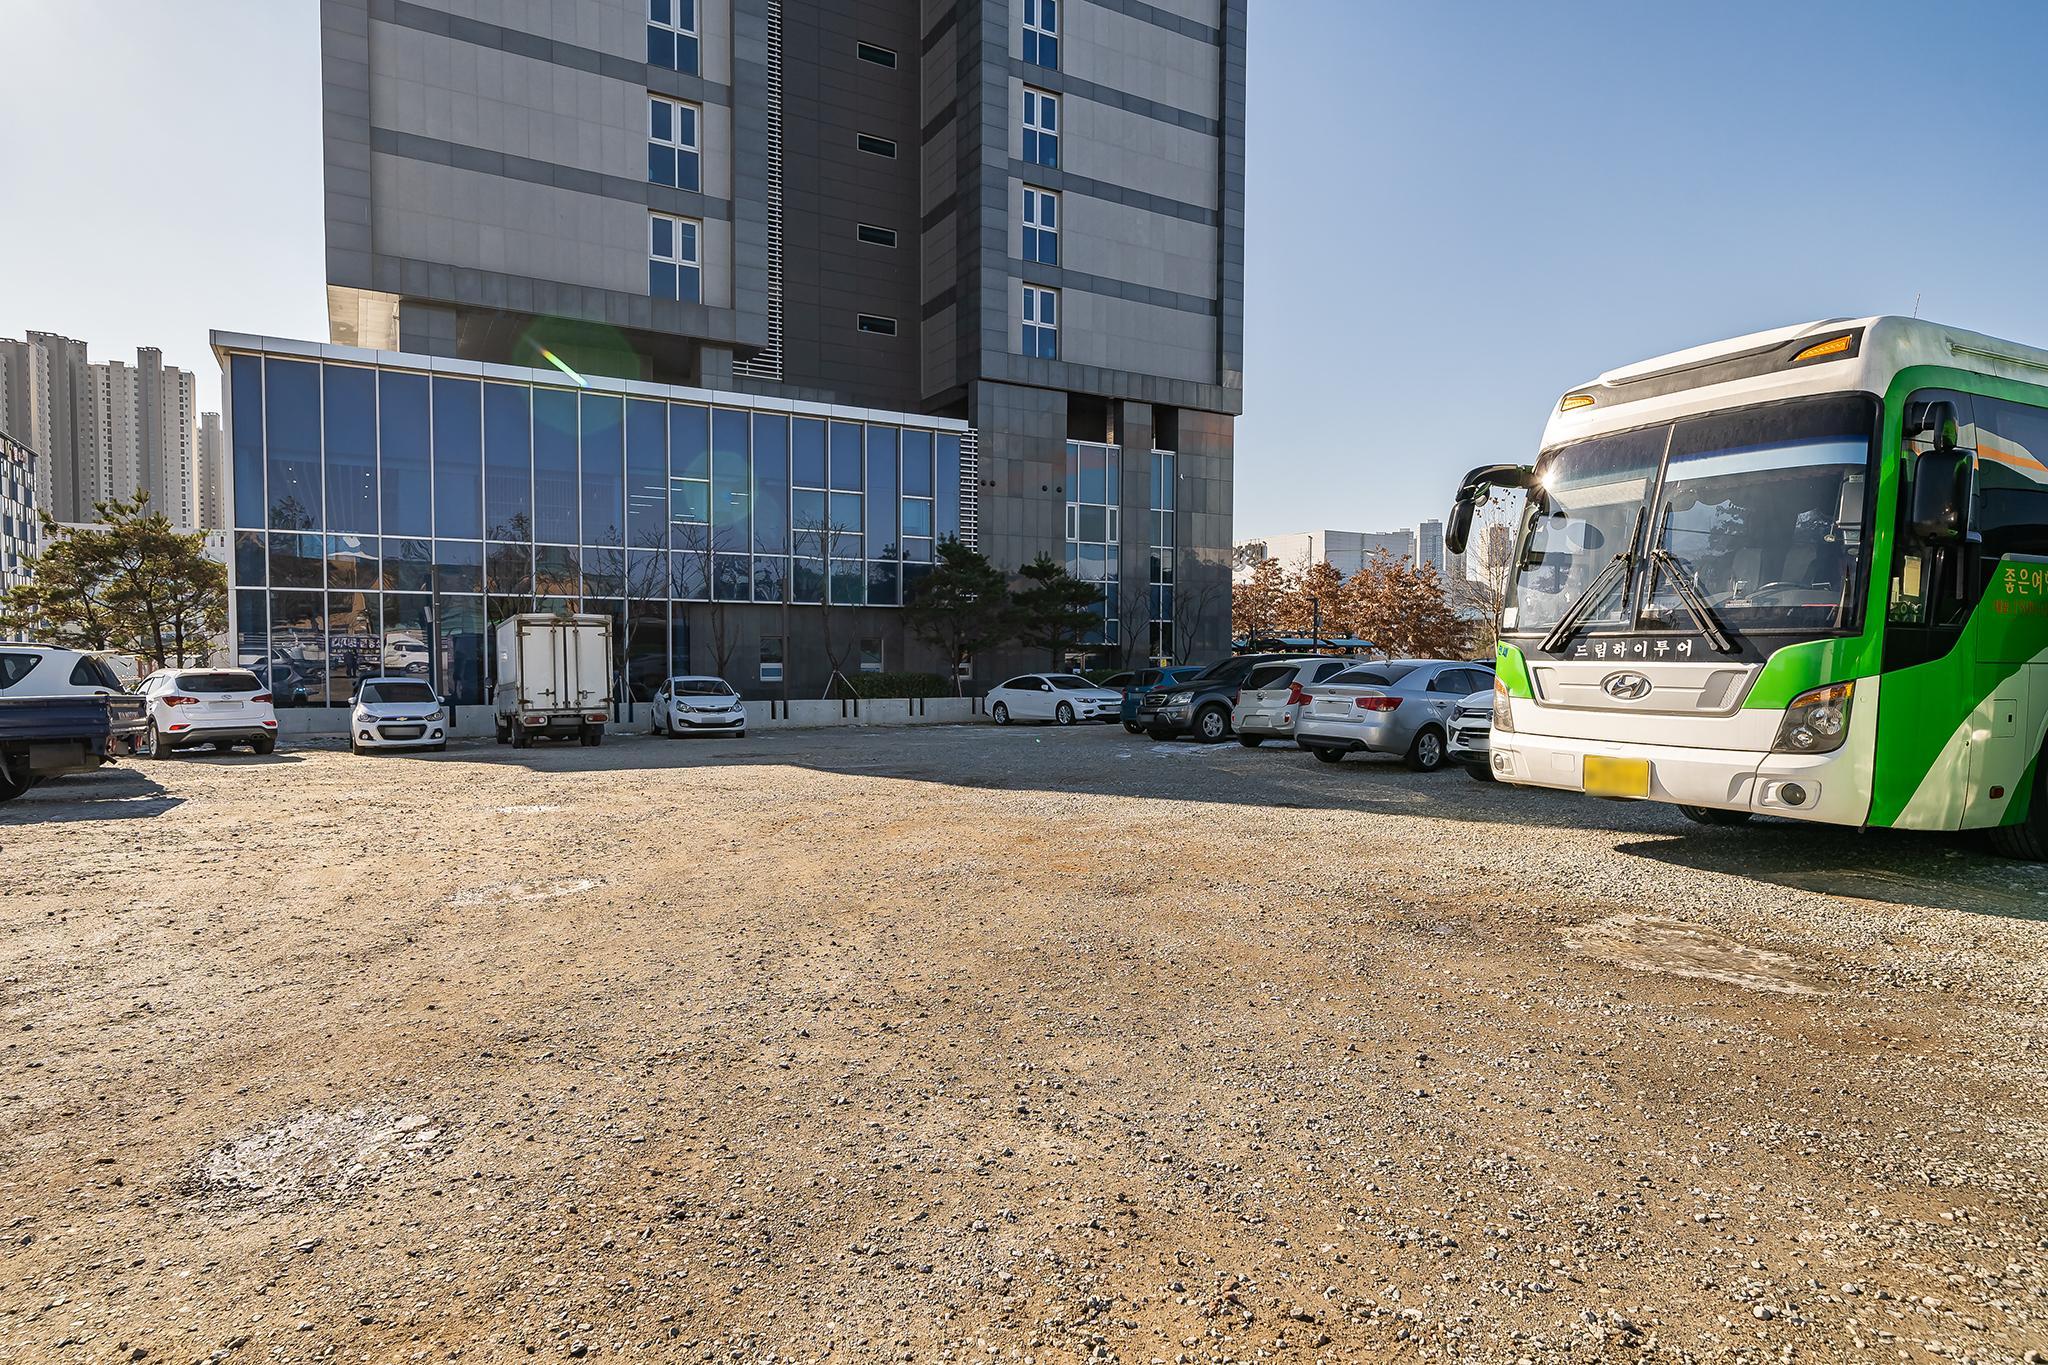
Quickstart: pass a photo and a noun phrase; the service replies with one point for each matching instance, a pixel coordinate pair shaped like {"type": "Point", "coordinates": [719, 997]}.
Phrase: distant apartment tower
{"type": "Point", "coordinates": [20, 523]}
{"type": "Point", "coordinates": [100, 430]}
{"type": "Point", "coordinates": [1344, 551]}
{"type": "Point", "coordinates": [211, 460]}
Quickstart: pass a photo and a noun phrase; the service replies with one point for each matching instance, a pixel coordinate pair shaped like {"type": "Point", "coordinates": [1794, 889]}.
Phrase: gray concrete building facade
{"type": "Point", "coordinates": [1024, 215]}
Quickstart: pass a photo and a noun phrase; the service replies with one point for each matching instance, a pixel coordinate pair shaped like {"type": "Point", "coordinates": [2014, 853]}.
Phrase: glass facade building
{"type": "Point", "coordinates": [390, 510]}
{"type": "Point", "coordinates": [1095, 532]}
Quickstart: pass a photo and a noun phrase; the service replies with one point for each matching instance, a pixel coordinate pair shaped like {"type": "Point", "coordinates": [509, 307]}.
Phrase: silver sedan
{"type": "Point", "coordinates": [1402, 707]}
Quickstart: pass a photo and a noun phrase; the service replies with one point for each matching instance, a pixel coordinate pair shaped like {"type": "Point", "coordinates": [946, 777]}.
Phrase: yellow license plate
{"type": "Point", "coordinates": [1617, 776]}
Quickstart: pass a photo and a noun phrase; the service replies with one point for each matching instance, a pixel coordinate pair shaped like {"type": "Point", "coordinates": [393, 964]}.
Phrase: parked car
{"type": "Point", "coordinates": [1271, 697]}
{"type": "Point", "coordinates": [1400, 707]}
{"type": "Point", "coordinates": [396, 713]}
{"type": "Point", "coordinates": [1135, 683]}
{"type": "Point", "coordinates": [406, 654]}
{"type": "Point", "coordinates": [223, 707]}
{"type": "Point", "coordinates": [698, 704]}
{"type": "Point", "coordinates": [1471, 745]}
{"type": "Point", "coordinates": [61, 711]}
{"type": "Point", "coordinates": [1062, 698]}
{"type": "Point", "coordinates": [1201, 705]}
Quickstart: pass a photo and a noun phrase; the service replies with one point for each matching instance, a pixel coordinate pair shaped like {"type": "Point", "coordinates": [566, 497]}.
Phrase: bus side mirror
{"type": "Point", "coordinates": [1458, 529]}
{"type": "Point", "coordinates": [1940, 496]}
{"type": "Point", "coordinates": [1478, 484]}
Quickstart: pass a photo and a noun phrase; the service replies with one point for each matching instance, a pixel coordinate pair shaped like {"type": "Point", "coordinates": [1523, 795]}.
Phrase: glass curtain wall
{"type": "Point", "coordinates": [1095, 527]}
{"type": "Point", "coordinates": [387, 519]}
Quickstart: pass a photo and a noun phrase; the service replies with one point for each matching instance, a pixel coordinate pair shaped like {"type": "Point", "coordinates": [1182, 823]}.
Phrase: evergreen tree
{"type": "Point", "coordinates": [1055, 610]}
{"type": "Point", "coordinates": [963, 606]}
{"type": "Point", "coordinates": [130, 583]}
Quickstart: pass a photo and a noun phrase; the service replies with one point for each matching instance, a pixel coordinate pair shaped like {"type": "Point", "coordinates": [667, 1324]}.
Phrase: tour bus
{"type": "Point", "coordinates": [1803, 573]}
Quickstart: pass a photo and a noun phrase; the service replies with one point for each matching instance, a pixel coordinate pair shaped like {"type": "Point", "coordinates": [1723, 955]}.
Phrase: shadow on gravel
{"type": "Point", "coordinates": [109, 794]}
{"type": "Point", "coordinates": [1891, 867]}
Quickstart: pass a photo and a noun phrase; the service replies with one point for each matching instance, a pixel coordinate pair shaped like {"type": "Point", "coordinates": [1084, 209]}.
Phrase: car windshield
{"type": "Point", "coordinates": [701, 687]}
{"type": "Point", "coordinates": [226, 680]}
{"type": "Point", "coordinates": [1760, 512]}
{"type": "Point", "coordinates": [398, 693]}
{"type": "Point", "coordinates": [1067, 682]}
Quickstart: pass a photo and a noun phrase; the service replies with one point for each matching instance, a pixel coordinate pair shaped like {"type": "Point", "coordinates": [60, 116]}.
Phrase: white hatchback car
{"type": "Point", "coordinates": [396, 713]}
{"type": "Point", "coordinates": [1271, 697]}
{"type": "Point", "coordinates": [1062, 698]}
{"type": "Point", "coordinates": [223, 707]}
{"type": "Point", "coordinates": [699, 705]}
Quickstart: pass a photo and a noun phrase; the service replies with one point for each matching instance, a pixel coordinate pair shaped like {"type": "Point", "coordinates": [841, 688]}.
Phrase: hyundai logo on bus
{"type": "Point", "coordinates": [1625, 686]}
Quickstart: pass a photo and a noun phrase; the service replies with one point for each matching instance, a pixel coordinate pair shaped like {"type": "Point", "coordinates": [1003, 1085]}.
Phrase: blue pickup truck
{"type": "Point", "coordinates": [60, 712]}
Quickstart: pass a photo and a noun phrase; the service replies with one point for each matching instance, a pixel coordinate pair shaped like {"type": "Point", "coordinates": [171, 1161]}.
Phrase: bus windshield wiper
{"type": "Point", "coordinates": [1621, 568]}
{"type": "Point", "coordinates": [1695, 601]}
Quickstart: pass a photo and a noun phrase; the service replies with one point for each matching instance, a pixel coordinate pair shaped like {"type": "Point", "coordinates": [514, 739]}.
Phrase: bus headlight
{"type": "Point", "coordinates": [1503, 714]}
{"type": "Point", "coordinates": [1816, 722]}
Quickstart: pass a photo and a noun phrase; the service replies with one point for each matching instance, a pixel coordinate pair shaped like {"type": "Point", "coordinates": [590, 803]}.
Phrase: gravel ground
{"type": "Point", "coordinates": [966, 1044]}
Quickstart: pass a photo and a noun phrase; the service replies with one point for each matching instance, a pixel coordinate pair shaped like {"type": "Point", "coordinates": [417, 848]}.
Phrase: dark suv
{"type": "Point", "coordinates": [1200, 706]}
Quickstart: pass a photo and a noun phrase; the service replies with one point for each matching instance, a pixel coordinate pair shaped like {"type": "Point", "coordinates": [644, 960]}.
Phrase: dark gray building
{"type": "Point", "coordinates": [1023, 215]}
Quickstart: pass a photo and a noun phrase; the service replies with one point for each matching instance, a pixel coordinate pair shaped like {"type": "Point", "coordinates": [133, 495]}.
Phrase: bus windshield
{"type": "Point", "coordinates": [1761, 511]}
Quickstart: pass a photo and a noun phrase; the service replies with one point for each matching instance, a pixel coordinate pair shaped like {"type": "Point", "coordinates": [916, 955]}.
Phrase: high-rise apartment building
{"type": "Point", "coordinates": [210, 459]}
{"type": "Point", "coordinates": [20, 517]}
{"type": "Point", "coordinates": [100, 430]}
{"type": "Point", "coordinates": [1021, 220]}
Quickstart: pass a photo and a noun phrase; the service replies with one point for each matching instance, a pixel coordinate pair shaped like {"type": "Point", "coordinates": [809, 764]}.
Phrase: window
{"type": "Point", "coordinates": [1041, 128]}
{"type": "Point", "coordinates": [1094, 530]}
{"type": "Point", "coordinates": [2012, 488]}
{"type": "Point", "coordinates": [672, 151]}
{"type": "Point", "coordinates": [15, 667]}
{"type": "Point", "coordinates": [1042, 33]}
{"type": "Point", "coordinates": [1041, 322]}
{"type": "Point", "coordinates": [771, 658]}
{"type": "Point", "coordinates": [1041, 240]}
{"type": "Point", "coordinates": [878, 146]}
{"type": "Point", "coordinates": [871, 654]}
{"type": "Point", "coordinates": [672, 35]}
{"type": "Point", "coordinates": [880, 326]}
{"type": "Point", "coordinates": [674, 270]}
{"type": "Point", "coordinates": [877, 236]}
{"type": "Point", "coordinates": [91, 671]}
{"type": "Point", "coordinates": [880, 56]}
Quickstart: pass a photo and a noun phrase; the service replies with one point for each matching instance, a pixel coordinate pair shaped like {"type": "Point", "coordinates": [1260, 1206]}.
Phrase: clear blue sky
{"type": "Point", "coordinates": [1456, 210]}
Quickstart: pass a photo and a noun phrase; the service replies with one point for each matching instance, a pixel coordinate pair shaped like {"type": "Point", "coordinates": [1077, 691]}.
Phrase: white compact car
{"type": "Point", "coordinates": [223, 707]}
{"type": "Point", "coordinates": [1270, 699]}
{"type": "Point", "coordinates": [1062, 698]}
{"type": "Point", "coordinates": [699, 705]}
{"type": "Point", "coordinates": [396, 713]}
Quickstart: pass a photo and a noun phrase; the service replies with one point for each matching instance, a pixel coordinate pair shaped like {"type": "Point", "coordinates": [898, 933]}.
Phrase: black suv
{"type": "Point", "coordinates": [1200, 705]}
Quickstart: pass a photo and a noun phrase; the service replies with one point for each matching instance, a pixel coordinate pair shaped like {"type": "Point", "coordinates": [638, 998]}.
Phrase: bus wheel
{"type": "Point", "coordinates": [2029, 838]}
{"type": "Point", "coordinates": [1707, 815]}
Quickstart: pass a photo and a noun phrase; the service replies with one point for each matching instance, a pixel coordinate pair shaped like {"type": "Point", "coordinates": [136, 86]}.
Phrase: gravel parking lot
{"type": "Point", "coordinates": [976, 1044]}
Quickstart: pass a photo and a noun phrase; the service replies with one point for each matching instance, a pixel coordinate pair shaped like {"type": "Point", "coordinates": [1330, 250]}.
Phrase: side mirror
{"type": "Point", "coordinates": [1940, 496]}
{"type": "Point", "coordinates": [1458, 526]}
{"type": "Point", "coordinates": [1480, 482]}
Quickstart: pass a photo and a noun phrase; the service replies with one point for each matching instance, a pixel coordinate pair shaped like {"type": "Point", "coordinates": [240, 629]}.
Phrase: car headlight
{"type": "Point", "coordinates": [1503, 713]}
{"type": "Point", "coordinates": [1180, 699]}
{"type": "Point", "coordinates": [436, 715]}
{"type": "Point", "coordinates": [1816, 722]}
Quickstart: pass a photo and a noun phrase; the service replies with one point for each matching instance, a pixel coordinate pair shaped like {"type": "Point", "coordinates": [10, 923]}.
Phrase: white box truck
{"type": "Point", "coordinates": [554, 677]}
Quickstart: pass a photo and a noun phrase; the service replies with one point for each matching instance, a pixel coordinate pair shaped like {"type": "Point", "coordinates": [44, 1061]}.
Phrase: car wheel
{"type": "Point", "coordinates": [1212, 725]}
{"type": "Point", "coordinates": [1426, 754]}
{"type": "Point", "coordinates": [1480, 772]}
{"type": "Point", "coordinates": [1134, 727]}
{"type": "Point", "coordinates": [153, 742]}
{"type": "Point", "coordinates": [1251, 741]}
{"type": "Point", "coordinates": [999, 713]}
{"type": "Point", "coordinates": [1329, 755]}
{"type": "Point", "coordinates": [264, 744]}
{"type": "Point", "coordinates": [1707, 815]}
{"type": "Point", "coordinates": [1064, 714]}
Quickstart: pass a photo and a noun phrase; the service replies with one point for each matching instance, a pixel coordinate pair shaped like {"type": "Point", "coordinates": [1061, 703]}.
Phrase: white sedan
{"type": "Point", "coordinates": [699, 705]}
{"type": "Point", "coordinates": [1062, 698]}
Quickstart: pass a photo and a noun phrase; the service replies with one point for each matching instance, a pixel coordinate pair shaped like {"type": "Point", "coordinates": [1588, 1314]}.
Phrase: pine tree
{"type": "Point", "coordinates": [1054, 609]}
{"type": "Point", "coordinates": [962, 606]}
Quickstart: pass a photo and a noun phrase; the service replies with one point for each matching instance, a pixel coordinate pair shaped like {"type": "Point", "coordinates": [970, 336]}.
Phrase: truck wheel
{"type": "Point", "coordinates": [2029, 838]}
{"type": "Point", "coordinates": [1707, 815]}
{"type": "Point", "coordinates": [504, 733]}
{"type": "Point", "coordinates": [12, 786]}
{"type": "Point", "coordinates": [154, 743]}
{"type": "Point", "coordinates": [520, 739]}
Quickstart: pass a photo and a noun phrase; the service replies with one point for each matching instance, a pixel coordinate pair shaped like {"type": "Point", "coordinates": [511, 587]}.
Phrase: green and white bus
{"type": "Point", "coordinates": [1802, 573]}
